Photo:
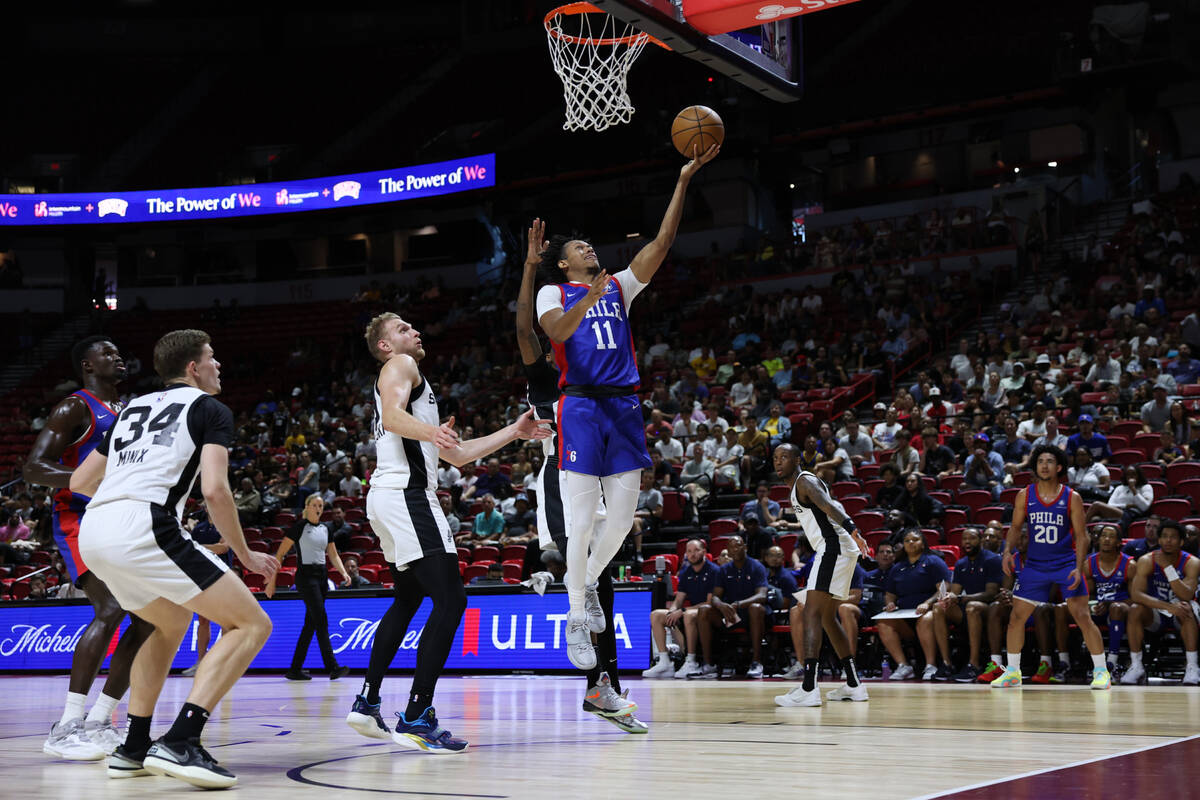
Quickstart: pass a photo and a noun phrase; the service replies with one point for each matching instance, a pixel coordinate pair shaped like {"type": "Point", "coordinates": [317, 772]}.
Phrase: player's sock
{"type": "Point", "coordinates": [851, 672]}
{"type": "Point", "coordinates": [74, 707]}
{"type": "Point", "coordinates": [1098, 662]}
{"type": "Point", "coordinates": [103, 710]}
{"type": "Point", "coordinates": [188, 725]}
{"type": "Point", "coordinates": [1190, 655]}
{"type": "Point", "coordinates": [810, 673]}
{"type": "Point", "coordinates": [1049, 662]}
{"type": "Point", "coordinates": [1135, 659]}
{"type": "Point", "coordinates": [1064, 658]}
{"type": "Point", "coordinates": [1014, 661]}
{"type": "Point", "coordinates": [418, 701]}
{"type": "Point", "coordinates": [137, 733]}
{"type": "Point", "coordinates": [584, 494]}
{"type": "Point", "coordinates": [620, 497]}
{"type": "Point", "coordinates": [1116, 632]}
{"type": "Point", "coordinates": [998, 659]}
{"type": "Point", "coordinates": [370, 691]}
{"type": "Point", "coordinates": [610, 669]}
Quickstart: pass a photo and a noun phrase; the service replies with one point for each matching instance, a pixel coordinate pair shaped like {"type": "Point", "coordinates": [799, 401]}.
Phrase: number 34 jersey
{"type": "Point", "coordinates": [1051, 543]}
{"type": "Point", "coordinates": [600, 352]}
{"type": "Point", "coordinates": [154, 447]}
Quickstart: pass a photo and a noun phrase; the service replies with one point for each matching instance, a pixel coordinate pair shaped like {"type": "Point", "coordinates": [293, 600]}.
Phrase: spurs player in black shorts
{"type": "Point", "coordinates": [407, 517]}
{"type": "Point", "coordinates": [603, 697]}
{"type": "Point", "coordinates": [139, 478]}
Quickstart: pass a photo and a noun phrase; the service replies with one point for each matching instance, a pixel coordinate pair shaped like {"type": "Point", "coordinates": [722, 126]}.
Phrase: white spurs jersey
{"type": "Point", "coordinates": [406, 463]}
{"type": "Point", "coordinates": [818, 527]}
{"type": "Point", "coordinates": [153, 448]}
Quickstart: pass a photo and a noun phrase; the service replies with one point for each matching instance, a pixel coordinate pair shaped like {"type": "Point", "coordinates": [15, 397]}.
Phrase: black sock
{"type": "Point", "coordinates": [418, 701]}
{"type": "Point", "coordinates": [851, 672]}
{"type": "Point", "coordinates": [610, 669]}
{"type": "Point", "coordinates": [188, 725]}
{"type": "Point", "coordinates": [371, 692]}
{"type": "Point", "coordinates": [137, 733]}
{"type": "Point", "coordinates": [810, 674]}
{"type": "Point", "coordinates": [593, 675]}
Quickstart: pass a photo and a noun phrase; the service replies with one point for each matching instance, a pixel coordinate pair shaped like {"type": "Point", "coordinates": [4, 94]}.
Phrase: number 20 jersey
{"type": "Point", "coordinates": [1051, 542]}
{"type": "Point", "coordinates": [600, 352]}
{"type": "Point", "coordinates": [154, 447]}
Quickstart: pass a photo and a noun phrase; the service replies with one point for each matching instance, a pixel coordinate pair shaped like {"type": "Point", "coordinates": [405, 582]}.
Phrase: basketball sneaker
{"type": "Point", "coordinates": [189, 762]}
{"type": "Point", "coordinates": [1134, 675]}
{"type": "Point", "coordinates": [126, 763]}
{"type": "Point", "coordinates": [366, 719]}
{"type": "Point", "coordinates": [103, 734]}
{"type": "Point", "coordinates": [903, 672]}
{"type": "Point", "coordinates": [1009, 679]}
{"type": "Point", "coordinates": [706, 672]}
{"type": "Point", "coordinates": [968, 674]}
{"type": "Point", "coordinates": [1044, 673]}
{"type": "Point", "coordinates": [603, 701]}
{"type": "Point", "coordinates": [858, 694]}
{"type": "Point", "coordinates": [690, 665]}
{"type": "Point", "coordinates": [579, 642]}
{"type": "Point", "coordinates": [628, 722]}
{"type": "Point", "coordinates": [69, 740]}
{"type": "Point", "coordinates": [930, 672]}
{"type": "Point", "coordinates": [799, 697]}
{"type": "Point", "coordinates": [1191, 675]}
{"type": "Point", "coordinates": [593, 609]}
{"type": "Point", "coordinates": [1101, 680]}
{"type": "Point", "coordinates": [990, 672]}
{"type": "Point", "coordinates": [663, 668]}
{"type": "Point", "coordinates": [425, 734]}
{"type": "Point", "coordinates": [795, 671]}
{"type": "Point", "coordinates": [755, 670]}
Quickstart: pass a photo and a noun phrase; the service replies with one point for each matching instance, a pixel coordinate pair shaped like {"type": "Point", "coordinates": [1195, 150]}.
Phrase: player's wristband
{"type": "Point", "coordinates": [848, 525]}
{"type": "Point", "coordinates": [1171, 573]}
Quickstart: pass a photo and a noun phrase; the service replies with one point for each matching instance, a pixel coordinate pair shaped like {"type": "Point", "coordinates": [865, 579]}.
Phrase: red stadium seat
{"type": "Point", "coordinates": [1182, 471]}
{"type": "Point", "coordinates": [988, 514]}
{"type": "Point", "coordinates": [868, 520]}
{"type": "Point", "coordinates": [954, 518]}
{"type": "Point", "coordinates": [780, 493]}
{"type": "Point", "coordinates": [951, 482]}
{"type": "Point", "coordinates": [513, 552]}
{"type": "Point", "coordinates": [464, 554]}
{"type": "Point", "coordinates": [843, 488]}
{"type": "Point", "coordinates": [722, 527]}
{"type": "Point", "coordinates": [1009, 495]}
{"type": "Point", "coordinates": [671, 565]}
{"type": "Point", "coordinates": [875, 537]}
{"type": "Point", "coordinates": [717, 544]}
{"type": "Point", "coordinates": [867, 471]}
{"type": "Point", "coordinates": [1147, 443]}
{"type": "Point", "coordinates": [1190, 488]}
{"type": "Point", "coordinates": [475, 570]}
{"type": "Point", "coordinates": [787, 543]}
{"type": "Point", "coordinates": [950, 552]}
{"type": "Point", "coordinates": [485, 552]}
{"type": "Point", "coordinates": [974, 498]}
{"type": "Point", "coordinates": [871, 487]}
{"type": "Point", "coordinates": [1127, 427]}
{"type": "Point", "coordinates": [854, 504]}
{"type": "Point", "coordinates": [673, 505]}
{"type": "Point", "coordinates": [1153, 471]}
{"type": "Point", "coordinates": [1021, 480]}
{"type": "Point", "coordinates": [1127, 457]}
{"type": "Point", "coordinates": [513, 569]}
{"type": "Point", "coordinates": [1175, 508]}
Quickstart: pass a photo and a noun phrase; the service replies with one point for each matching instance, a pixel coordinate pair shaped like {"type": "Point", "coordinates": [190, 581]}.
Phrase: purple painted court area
{"type": "Point", "coordinates": [1173, 770]}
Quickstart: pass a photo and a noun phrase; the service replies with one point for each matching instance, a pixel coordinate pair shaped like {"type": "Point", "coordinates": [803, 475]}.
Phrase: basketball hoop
{"type": "Point", "coordinates": [593, 64]}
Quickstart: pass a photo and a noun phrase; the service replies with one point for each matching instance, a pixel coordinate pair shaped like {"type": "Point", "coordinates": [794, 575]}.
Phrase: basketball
{"type": "Point", "coordinates": [696, 126]}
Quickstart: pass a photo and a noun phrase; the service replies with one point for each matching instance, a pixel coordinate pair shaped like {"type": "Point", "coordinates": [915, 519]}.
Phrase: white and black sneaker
{"type": "Point", "coordinates": [188, 762]}
{"type": "Point", "coordinates": [126, 763]}
{"type": "Point", "coordinates": [366, 719]}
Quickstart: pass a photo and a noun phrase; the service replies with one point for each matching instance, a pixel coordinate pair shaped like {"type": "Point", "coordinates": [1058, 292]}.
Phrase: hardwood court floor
{"type": "Point", "coordinates": [716, 739]}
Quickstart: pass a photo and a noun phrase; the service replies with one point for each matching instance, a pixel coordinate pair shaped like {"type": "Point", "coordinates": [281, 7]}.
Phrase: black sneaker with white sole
{"type": "Point", "coordinates": [126, 763]}
{"type": "Point", "coordinates": [366, 719]}
{"type": "Point", "coordinates": [188, 762]}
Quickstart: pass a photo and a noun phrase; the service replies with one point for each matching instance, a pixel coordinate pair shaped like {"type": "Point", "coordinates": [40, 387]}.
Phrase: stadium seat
{"type": "Point", "coordinates": [464, 554]}
{"type": "Point", "coordinates": [868, 520]}
{"type": "Point", "coordinates": [988, 514]}
{"type": "Point", "coordinates": [1175, 508]}
{"type": "Point", "coordinates": [787, 543]}
{"type": "Point", "coordinates": [671, 564]}
{"type": "Point", "coordinates": [1127, 457]}
{"type": "Point", "coordinates": [513, 569]}
{"type": "Point", "coordinates": [513, 552]}
{"type": "Point", "coordinates": [950, 552]}
{"type": "Point", "coordinates": [485, 553]}
{"type": "Point", "coordinates": [285, 518]}
{"type": "Point", "coordinates": [843, 488]}
{"type": "Point", "coordinates": [951, 482]}
{"type": "Point", "coordinates": [780, 493]}
{"type": "Point", "coordinates": [1127, 427]}
{"type": "Point", "coordinates": [1147, 443]}
{"type": "Point", "coordinates": [475, 570]}
{"type": "Point", "coordinates": [875, 537]}
{"type": "Point", "coordinates": [975, 499]}
{"type": "Point", "coordinates": [721, 527]}
{"type": "Point", "coordinates": [867, 471]}
{"type": "Point", "coordinates": [1152, 470]}
{"type": "Point", "coordinates": [871, 487]}
{"type": "Point", "coordinates": [854, 504]}
{"type": "Point", "coordinates": [673, 505]}
{"type": "Point", "coordinates": [717, 544]}
{"type": "Point", "coordinates": [1182, 471]}
{"type": "Point", "coordinates": [1021, 480]}
{"type": "Point", "coordinates": [1009, 495]}
{"type": "Point", "coordinates": [1190, 488]}
{"type": "Point", "coordinates": [941, 496]}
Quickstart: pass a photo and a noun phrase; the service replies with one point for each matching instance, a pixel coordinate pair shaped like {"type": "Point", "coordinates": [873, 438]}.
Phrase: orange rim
{"type": "Point", "coordinates": [587, 8]}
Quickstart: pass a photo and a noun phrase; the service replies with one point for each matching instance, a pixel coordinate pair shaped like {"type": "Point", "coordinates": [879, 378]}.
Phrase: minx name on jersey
{"type": "Point", "coordinates": [131, 457]}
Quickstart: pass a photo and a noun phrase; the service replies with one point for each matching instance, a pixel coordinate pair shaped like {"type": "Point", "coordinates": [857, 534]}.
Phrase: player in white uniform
{"type": "Point", "coordinates": [139, 479]}
{"type": "Point", "coordinates": [837, 546]}
{"type": "Point", "coordinates": [413, 533]}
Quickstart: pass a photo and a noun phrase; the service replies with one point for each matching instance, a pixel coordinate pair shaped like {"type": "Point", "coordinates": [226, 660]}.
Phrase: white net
{"type": "Point", "coordinates": [593, 65]}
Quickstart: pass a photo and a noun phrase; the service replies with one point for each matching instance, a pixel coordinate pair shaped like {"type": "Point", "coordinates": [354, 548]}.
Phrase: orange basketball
{"type": "Point", "coordinates": [696, 126]}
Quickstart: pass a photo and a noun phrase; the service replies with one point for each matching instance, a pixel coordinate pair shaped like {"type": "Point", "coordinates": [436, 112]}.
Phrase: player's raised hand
{"type": "Point", "coordinates": [699, 160]}
{"type": "Point", "coordinates": [529, 428]}
{"type": "Point", "coordinates": [597, 289]}
{"type": "Point", "coordinates": [263, 564]}
{"type": "Point", "coordinates": [536, 243]}
{"type": "Point", "coordinates": [444, 436]}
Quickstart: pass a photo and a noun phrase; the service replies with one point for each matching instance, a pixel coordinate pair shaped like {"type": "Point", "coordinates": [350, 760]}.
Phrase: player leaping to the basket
{"type": "Point", "coordinates": [602, 442]}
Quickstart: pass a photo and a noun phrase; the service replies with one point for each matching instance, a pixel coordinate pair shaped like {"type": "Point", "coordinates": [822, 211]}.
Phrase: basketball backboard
{"type": "Point", "coordinates": [765, 57]}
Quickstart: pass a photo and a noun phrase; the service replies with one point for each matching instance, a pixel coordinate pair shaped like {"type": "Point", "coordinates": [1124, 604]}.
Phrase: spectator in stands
{"type": "Point", "coordinates": [15, 545]}
{"type": "Point", "coordinates": [1168, 452]}
{"type": "Point", "coordinates": [727, 369]}
{"type": "Point", "coordinates": [1154, 376]}
{"type": "Point", "coordinates": [37, 588]}
{"type": "Point", "coordinates": [1150, 299]}
{"type": "Point", "coordinates": [741, 393]}
{"type": "Point", "coordinates": [357, 579]}
{"type": "Point", "coordinates": [1156, 413]}
{"type": "Point", "coordinates": [1129, 500]}
{"type": "Point", "coordinates": [452, 518]}
{"type": "Point", "coordinates": [995, 393]}
{"type": "Point", "coordinates": [1016, 382]}
{"type": "Point", "coordinates": [1149, 541]}
{"type": "Point", "coordinates": [884, 433]}
{"type": "Point", "coordinates": [915, 501]}
{"type": "Point", "coordinates": [776, 426]}
{"type": "Point", "coordinates": [913, 583]}
{"type": "Point", "coordinates": [488, 526]}
{"type": "Point", "coordinates": [906, 458]}
{"type": "Point", "coordinates": [670, 448]}
{"type": "Point", "coordinates": [1035, 427]}
{"type": "Point", "coordinates": [494, 482]}
{"type": "Point", "coordinates": [936, 459]}
{"type": "Point", "coordinates": [857, 445]}
{"type": "Point", "coordinates": [977, 578]}
{"type": "Point", "coordinates": [647, 516]}
{"type": "Point", "coordinates": [1052, 435]}
{"type": "Point", "coordinates": [984, 468]}
{"type": "Point", "coordinates": [890, 493]}
{"type": "Point", "coordinates": [324, 490]}
{"type": "Point", "coordinates": [755, 451]}
{"type": "Point", "coordinates": [340, 531]}
{"type": "Point", "coordinates": [366, 446]}
{"type": "Point", "coordinates": [1181, 425]}
{"type": "Point", "coordinates": [895, 345]}
{"type": "Point", "coordinates": [1087, 477]}
{"type": "Point", "coordinates": [248, 501]}
{"type": "Point", "coordinates": [1089, 437]}
{"type": "Point", "coordinates": [657, 425]}
{"type": "Point", "coordinates": [493, 577]}
{"type": "Point", "coordinates": [729, 461]}
{"type": "Point", "coordinates": [739, 597]}
{"type": "Point", "coordinates": [697, 578]}
{"type": "Point", "coordinates": [697, 474]}
{"type": "Point", "coordinates": [350, 485]}
{"type": "Point", "coordinates": [704, 363]}
{"type": "Point", "coordinates": [520, 523]}
{"type": "Point", "coordinates": [1105, 369]}
{"type": "Point", "coordinates": [1013, 448]}
{"type": "Point", "coordinates": [758, 518]}
{"type": "Point", "coordinates": [309, 479]}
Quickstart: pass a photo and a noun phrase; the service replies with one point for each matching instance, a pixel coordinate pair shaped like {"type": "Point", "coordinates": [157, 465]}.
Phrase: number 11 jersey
{"type": "Point", "coordinates": [600, 352]}
{"type": "Point", "coordinates": [154, 447]}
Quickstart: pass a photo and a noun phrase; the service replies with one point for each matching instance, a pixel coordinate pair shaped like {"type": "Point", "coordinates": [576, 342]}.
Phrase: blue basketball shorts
{"type": "Point", "coordinates": [601, 435]}
{"type": "Point", "coordinates": [1037, 585]}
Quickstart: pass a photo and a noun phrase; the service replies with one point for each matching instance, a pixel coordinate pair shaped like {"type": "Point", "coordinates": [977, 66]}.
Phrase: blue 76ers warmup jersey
{"type": "Point", "coordinates": [600, 352]}
{"type": "Point", "coordinates": [1051, 542]}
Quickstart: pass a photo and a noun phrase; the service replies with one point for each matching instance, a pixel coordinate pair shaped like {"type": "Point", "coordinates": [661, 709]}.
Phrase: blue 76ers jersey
{"type": "Point", "coordinates": [1051, 542]}
{"type": "Point", "coordinates": [600, 352]}
{"type": "Point", "coordinates": [1110, 588]}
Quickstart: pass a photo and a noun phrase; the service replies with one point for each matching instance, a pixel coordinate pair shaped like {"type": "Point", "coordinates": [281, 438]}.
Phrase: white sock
{"type": "Point", "coordinates": [584, 494]}
{"type": "Point", "coordinates": [1191, 658]}
{"type": "Point", "coordinates": [663, 658]}
{"type": "Point", "coordinates": [998, 659]}
{"type": "Point", "coordinates": [1014, 660]}
{"type": "Point", "coordinates": [1047, 660]}
{"type": "Point", "coordinates": [74, 707]}
{"type": "Point", "coordinates": [1098, 662]}
{"type": "Point", "coordinates": [620, 499]}
{"type": "Point", "coordinates": [1135, 659]}
{"type": "Point", "coordinates": [103, 710]}
{"type": "Point", "coordinates": [1064, 658]}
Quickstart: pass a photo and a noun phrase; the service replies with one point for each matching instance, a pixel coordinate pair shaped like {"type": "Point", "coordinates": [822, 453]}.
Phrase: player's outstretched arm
{"type": "Point", "coordinates": [218, 498]}
{"type": "Point", "coordinates": [650, 257]}
{"type": "Point", "coordinates": [396, 381]}
{"type": "Point", "coordinates": [85, 479]}
{"type": "Point", "coordinates": [42, 467]}
{"type": "Point", "coordinates": [527, 340]}
{"type": "Point", "coordinates": [526, 427]}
